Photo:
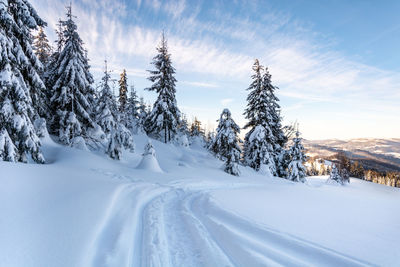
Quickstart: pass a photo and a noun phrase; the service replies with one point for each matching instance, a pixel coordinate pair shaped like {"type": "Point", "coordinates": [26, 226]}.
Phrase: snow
{"type": "Point", "coordinates": [358, 220]}
{"type": "Point", "coordinates": [149, 161]}
{"type": "Point", "coordinates": [84, 209]}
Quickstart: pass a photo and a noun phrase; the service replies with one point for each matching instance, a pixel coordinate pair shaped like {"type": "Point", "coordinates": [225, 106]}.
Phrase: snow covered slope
{"type": "Point", "coordinates": [83, 209]}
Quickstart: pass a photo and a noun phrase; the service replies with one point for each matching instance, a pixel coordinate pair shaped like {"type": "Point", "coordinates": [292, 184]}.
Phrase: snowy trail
{"type": "Point", "coordinates": [248, 243]}
{"type": "Point", "coordinates": [167, 225]}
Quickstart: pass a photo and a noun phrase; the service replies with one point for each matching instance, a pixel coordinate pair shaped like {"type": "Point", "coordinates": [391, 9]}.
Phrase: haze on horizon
{"type": "Point", "coordinates": [336, 64]}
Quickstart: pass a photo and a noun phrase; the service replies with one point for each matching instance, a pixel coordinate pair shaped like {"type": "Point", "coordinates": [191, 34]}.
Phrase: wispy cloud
{"type": "Point", "coordinates": [200, 84]}
{"type": "Point", "coordinates": [226, 101]}
{"type": "Point", "coordinates": [222, 50]}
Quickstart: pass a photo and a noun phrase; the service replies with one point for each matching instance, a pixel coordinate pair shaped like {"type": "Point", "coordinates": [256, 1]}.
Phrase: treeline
{"type": "Point", "coordinates": [354, 168]}
{"type": "Point", "coordinates": [50, 90]}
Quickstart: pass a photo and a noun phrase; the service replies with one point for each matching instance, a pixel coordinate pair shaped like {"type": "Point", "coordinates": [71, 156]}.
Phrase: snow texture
{"type": "Point", "coordinates": [84, 209]}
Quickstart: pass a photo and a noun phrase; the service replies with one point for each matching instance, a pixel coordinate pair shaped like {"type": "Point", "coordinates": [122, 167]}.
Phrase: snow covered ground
{"type": "Point", "coordinates": [84, 209]}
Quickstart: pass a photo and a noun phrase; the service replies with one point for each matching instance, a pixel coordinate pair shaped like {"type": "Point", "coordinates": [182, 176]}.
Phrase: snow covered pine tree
{"type": "Point", "coordinates": [226, 144]}
{"type": "Point", "coordinates": [335, 176]}
{"type": "Point", "coordinates": [21, 88]}
{"type": "Point", "coordinates": [107, 116]}
{"type": "Point", "coordinates": [259, 142]}
{"type": "Point", "coordinates": [72, 94]}
{"type": "Point", "coordinates": [280, 154]}
{"type": "Point", "coordinates": [296, 169]}
{"type": "Point", "coordinates": [123, 95]}
{"type": "Point", "coordinates": [143, 113]}
{"type": "Point", "coordinates": [163, 120]}
{"type": "Point", "coordinates": [41, 47]}
{"type": "Point", "coordinates": [132, 113]}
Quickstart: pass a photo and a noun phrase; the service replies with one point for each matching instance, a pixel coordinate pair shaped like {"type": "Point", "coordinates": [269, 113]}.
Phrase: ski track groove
{"type": "Point", "coordinates": [177, 225]}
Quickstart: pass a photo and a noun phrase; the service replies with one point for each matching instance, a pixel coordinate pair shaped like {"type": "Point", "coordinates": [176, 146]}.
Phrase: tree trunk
{"type": "Point", "coordinates": [165, 134]}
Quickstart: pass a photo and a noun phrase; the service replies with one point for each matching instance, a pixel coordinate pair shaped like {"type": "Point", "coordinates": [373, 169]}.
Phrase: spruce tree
{"type": "Point", "coordinates": [182, 137]}
{"type": "Point", "coordinates": [335, 175]}
{"type": "Point", "coordinates": [183, 125]}
{"type": "Point", "coordinates": [42, 47]}
{"type": "Point", "coordinates": [106, 112]}
{"type": "Point", "coordinates": [196, 130]}
{"type": "Point", "coordinates": [120, 137]}
{"type": "Point", "coordinates": [132, 112]}
{"type": "Point", "coordinates": [21, 88]}
{"type": "Point", "coordinates": [260, 142]}
{"type": "Point", "coordinates": [210, 140]}
{"type": "Point", "coordinates": [108, 118]}
{"type": "Point", "coordinates": [275, 125]}
{"type": "Point", "coordinates": [123, 91]}
{"type": "Point", "coordinates": [72, 94]}
{"type": "Point", "coordinates": [51, 71]}
{"type": "Point", "coordinates": [296, 169]}
{"type": "Point", "coordinates": [143, 113]}
{"type": "Point", "coordinates": [163, 120]}
{"type": "Point", "coordinates": [226, 145]}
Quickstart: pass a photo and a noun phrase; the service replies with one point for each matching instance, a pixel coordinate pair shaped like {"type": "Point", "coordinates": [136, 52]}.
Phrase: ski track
{"type": "Point", "coordinates": [177, 225]}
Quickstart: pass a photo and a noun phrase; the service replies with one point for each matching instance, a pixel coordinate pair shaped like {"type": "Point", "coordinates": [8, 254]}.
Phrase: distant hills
{"type": "Point", "coordinates": [377, 154]}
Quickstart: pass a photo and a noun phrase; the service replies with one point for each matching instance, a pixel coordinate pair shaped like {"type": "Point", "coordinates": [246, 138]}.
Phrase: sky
{"type": "Point", "coordinates": [336, 63]}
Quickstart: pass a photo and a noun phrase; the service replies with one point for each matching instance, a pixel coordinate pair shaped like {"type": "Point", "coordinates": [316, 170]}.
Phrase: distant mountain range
{"type": "Point", "coordinates": [377, 154]}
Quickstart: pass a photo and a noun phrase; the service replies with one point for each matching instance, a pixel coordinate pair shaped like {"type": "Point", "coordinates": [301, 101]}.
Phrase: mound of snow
{"type": "Point", "coordinates": [79, 143]}
{"type": "Point", "coordinates": [265, 170]}
{"type": "Point", "coordinates": [187, 157]}
{"type": "Point", "coordinates": [149, 161]}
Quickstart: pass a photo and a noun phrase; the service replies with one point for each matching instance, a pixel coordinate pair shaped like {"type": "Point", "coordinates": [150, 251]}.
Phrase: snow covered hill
{"type": "Point", "coordinates": [379, 154]}
{"type": "Point", "coordinates": [84, 209]}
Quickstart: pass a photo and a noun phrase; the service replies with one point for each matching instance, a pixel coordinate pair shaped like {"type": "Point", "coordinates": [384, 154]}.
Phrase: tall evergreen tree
{"type": "Point", "coordinates": [42, 47]}
{"type": "Point", "coordinates": [132, 112]}
{"type": "Point", "coordinates": [73, 95]}
{"type": "Point", "coordinates": [106, 112]}
{"type": "Point", "coordinates": [195, 129]}
{"type": "Point", "coordinates": [226, 144]}
{"type": "Point", "coordinates": [123, 91]}
{"type": "Point", "coordinates": [279, 153]}
{"type": "Point", "coordinates": [183, 125]}
{"type": "Point", "coordinates": [296, 169]}
{"type": "Point", "coordinates": [143, 113]}
{"type": "Point", "coordinates": [108, 117]}
{"type": "Point", "coordinates": [259, 143]}
{"type": "Point", "coordinates": [51, 71]}
{"type": "Point", "coordinates": [163, 120]}
{"type": "Point", "coordinates": [21, 88]}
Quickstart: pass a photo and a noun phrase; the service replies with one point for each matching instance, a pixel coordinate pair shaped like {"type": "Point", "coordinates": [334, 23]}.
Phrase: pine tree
{"type": "Point", "coordinates": [42, 47]}
{"type": "Point", "coordinates": [51, 71]}
{"type": "Point", "coordinates": [297, 171]}
{"type": "Point", "coordinates": [73, 96]}
{"type": "Point", "coordinates": [226, 145]}
{"type": "Point", "coordinates": [196, 130]}
{"type": "Point", "coordinates": [183, 125]}
{"type": "Point", "coordinates": [163, 120]}
{"type": "Point", "coordinates": [108, 117]}
{"type": "Point", "coordinates": [21, 88]}
{"type": "Point", "coordinates": [283, 160]}
{"type": "Point", "coordinates": [143, 113]}
{"type": "Point", "coordinates": [275, 125]}
{"type": "Point", "coordinates": [335, 175]}
{"type": "Point", "coordinates": [210, 140]}
{"type": "Point", "coordinates": [106, 114]}
{"type": "Point", "coordinates": [120, 138]}
{"type": "Point", "coordinates": [259, 143]}
{"type": "Point", "coordinates": [60, 42]}
{"type": "Point", "coordinates": [123, 91]}
{"type": "Point", "coordinates": [182, 137]}
{"type": "Point", "coordinates": [132, 112]}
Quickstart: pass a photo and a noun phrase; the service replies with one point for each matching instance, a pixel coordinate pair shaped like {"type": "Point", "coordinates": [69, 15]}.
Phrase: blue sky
{"type": "Point", "coordinates": [336, 62]}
